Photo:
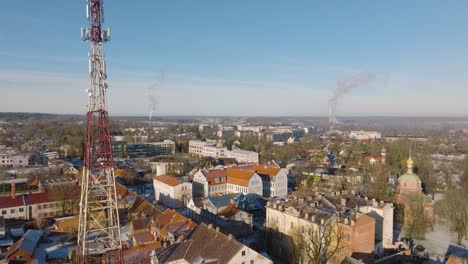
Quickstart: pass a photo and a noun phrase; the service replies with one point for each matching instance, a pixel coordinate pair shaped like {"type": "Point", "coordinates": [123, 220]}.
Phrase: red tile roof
{"type": "Point", "coordinates": [168, 179]}
{"type": "Point", "coordinates": [6, 202]}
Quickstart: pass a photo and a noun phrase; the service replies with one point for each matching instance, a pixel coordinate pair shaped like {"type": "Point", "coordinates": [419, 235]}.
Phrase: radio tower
{"type": "Point", "coordinates": [98, 231]}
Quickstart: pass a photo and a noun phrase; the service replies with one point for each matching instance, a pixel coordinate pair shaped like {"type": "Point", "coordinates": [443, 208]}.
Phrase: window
{"type": "Point", "coordinates": [243, 253]}
{"type": "Point", "coordinates": [4, 212]}
{"type": "Point", "coordinates": [12, 211]}
{"type": "Point", "coordinates": [251, 262]}
{"type": "Point", "coordinates": [39, 206]}
{"type": "Point", "coordinates": [21, 210]}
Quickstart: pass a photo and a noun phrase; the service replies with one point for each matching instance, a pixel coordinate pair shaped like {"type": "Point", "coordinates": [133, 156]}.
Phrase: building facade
{"type": "Point", "coordinates": [304, 212]}
{"type": "Point", "coordinates": [171, 191]}
{"type": "Point", "coordinates": [227, 180]}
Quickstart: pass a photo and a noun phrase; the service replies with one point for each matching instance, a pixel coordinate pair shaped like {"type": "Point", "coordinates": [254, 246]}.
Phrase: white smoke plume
{"type": "Point", "coordinates": [152, 97]}
{"type": "Point", "coordinates": [342, 87]}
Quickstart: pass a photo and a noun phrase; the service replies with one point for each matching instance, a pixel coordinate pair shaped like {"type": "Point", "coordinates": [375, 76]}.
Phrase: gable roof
{"type": "Point", "coordinates": [220, 201]}
{"type": "Point", "coordinates": [168, 179]}
{"type": "Point", "coordinates": [173, 252]}
{"type": "Point", "coordinates": [239, 177]}
{"type": "Point", "coordinates": [27, 243]}
{"type": "Point", "coordinates": [140, 224]}
{"type": "Point", "coordinates": [207, 243]}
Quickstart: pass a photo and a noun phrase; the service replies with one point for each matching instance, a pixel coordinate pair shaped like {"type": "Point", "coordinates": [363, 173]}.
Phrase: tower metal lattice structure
{"type": "Point", "coordinates": [98, 231]}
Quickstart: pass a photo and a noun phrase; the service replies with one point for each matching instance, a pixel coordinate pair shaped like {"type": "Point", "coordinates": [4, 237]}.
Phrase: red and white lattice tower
{"type": "Point", "coordinates": [98, 231]}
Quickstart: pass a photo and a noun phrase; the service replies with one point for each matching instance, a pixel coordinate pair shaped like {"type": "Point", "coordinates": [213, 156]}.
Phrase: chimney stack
{"type": "Point", "coordinates": [13, 190]}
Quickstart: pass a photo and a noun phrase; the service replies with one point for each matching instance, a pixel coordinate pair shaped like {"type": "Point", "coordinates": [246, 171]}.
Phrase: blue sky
{"type": "Point", "coordinates": [263, 57]}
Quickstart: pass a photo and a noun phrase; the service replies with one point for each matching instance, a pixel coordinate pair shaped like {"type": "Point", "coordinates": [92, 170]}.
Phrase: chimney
{"type": "Point", "coordinates": [13, 190]}
{"type": "Point", "coordinates": [375, 203]}
{"type": "Point", "coordinates": [210, 226]}
{"type": "Point", "coordinates": [217, 229]}
{"type": "Point", "coordinates": [230, 236]}
{"type": "Point", "coordinates": [306, 216]}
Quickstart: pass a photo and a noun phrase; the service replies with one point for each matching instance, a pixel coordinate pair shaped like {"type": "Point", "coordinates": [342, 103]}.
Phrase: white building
{"type": "Point", "coordinates": [274, 178]}
{"type": "Point", "coordinates": [229, 180]}
{"type": "Point", "coordinates": [171, 191]}
{"type": "Point", "coordinates": [210, 149]}
{"type": "Point", "coordinates": [11, 159]}
{"type": "Point", "coordinates": [31, 206]}
{"type": "Point", "coordinates": [365, 135]}
{"type": "Point", "coordinates": [243, 156]}
{"type": "Point", "coordinates": [196, 147]}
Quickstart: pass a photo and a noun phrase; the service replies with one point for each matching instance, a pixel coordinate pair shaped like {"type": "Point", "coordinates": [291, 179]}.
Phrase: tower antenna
{"type": "Point", "coordinates": [98, 231]}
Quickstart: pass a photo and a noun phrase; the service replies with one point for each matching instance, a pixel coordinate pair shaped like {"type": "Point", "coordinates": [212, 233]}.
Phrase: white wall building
{"type": "Point", "coordinates": [242, 156]}
{"type": "Point", "coordinates": [230, 180]}
{"type": "Point", "coordinates": [209, 149]}
{"type": "Point", "coordinates": [274, 178]}
{"type": "Point", "coordinates": [365, 135]}
{"type": "Point", "coordinates": [171, 191]}
{"type": "Point", "coordinates": [11, 159]}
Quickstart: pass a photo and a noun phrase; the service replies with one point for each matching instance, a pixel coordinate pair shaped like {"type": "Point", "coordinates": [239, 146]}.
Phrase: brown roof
{"type": "Point", "coordinates": [121, 190]}
{"type": "Point", "coordinates": [173, 252]}
{"type": "Point", "coordinates": [143, 237]}
{"type": "Point", "coordinates": [168, 179]}
{"type": "Point", "coordinates": [208, 243]}
{"type": "Point", "coordinates": [140, 254]}
{"type": "Point", "coordinates": [140, 224]}
{"type": "Point", "coordinates": [229, 211]}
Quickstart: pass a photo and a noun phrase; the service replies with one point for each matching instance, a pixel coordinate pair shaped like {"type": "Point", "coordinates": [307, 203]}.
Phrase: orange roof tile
{"type": "Point", "coordinates": [168, 179]}
{"type": "Point", "coordinates": [239, 177]}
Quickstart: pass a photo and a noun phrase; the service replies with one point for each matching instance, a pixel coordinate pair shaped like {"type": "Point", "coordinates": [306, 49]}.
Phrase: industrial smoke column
{"type": "Point", "coordinates": [98, 231]}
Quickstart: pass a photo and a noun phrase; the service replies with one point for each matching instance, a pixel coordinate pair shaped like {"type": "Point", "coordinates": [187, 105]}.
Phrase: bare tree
{"type": "Point", "coordinates": [453, 209]}
{"type": "Point", "coordinates": [319, 245]}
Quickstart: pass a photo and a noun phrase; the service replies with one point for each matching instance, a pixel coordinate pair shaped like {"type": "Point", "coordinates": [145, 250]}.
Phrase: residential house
{"type": "Point", "coordinates": [171, 191]}
{"type": "Point", "coordinates": [22, 251]}
{"type": "Point", "coordinates": [222, 211]}
{"type": "Point", "coordinates": [209, 245]}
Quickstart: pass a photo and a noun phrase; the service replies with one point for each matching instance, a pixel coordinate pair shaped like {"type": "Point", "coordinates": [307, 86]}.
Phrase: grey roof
{"type": "Point", "coordinates": [31, 238]}
{"type": "Point", "coordinates": [220, 201]}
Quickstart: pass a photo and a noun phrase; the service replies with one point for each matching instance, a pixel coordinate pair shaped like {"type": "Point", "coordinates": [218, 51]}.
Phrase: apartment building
{"type": "Point", "coordinates": [15, 160]}
{"type": "Point", "coordinates": [210, 149]}
{"type": "Point", "coordinates": [359, 221]}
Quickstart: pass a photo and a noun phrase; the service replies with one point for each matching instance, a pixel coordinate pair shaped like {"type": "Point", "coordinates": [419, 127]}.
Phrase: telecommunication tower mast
{"type": "Point", "coordinates": [98, 231]}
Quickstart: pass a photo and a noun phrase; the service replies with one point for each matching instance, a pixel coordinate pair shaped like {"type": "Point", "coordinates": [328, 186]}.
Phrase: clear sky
{"type": "Point", "coordinates": [262, 57]}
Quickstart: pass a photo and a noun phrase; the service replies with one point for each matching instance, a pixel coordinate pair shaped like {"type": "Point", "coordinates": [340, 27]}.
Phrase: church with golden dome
{"type": "Point", "coordinates": [409, 191]}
